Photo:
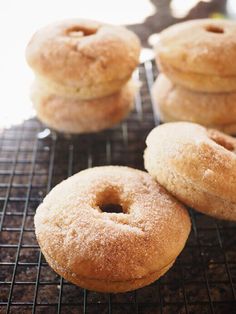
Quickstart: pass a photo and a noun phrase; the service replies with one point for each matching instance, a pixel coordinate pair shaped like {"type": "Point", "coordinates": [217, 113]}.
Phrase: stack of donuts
{"type": "Point", "coordinates": [83, 70]}
{"type": "Point", "coordinates": [198, 79]}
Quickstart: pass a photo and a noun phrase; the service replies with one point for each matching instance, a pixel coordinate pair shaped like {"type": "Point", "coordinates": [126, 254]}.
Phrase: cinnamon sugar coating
{"type": "Point", "coordinates": [197, 165]}
{"type": "Point", "coordinates": [106, 251]}
{"type": "Point", "coordinates": [198, 54]}
{"type": "Point", "coordinates": [84, 57]}
{"type": "Point", "coordinates": [177, 103]}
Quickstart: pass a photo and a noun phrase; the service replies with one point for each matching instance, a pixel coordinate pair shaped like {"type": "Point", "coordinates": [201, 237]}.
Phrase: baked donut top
{"type": "Point", "coordinates": [75, 228]}
{"type": "Point", "coordinates": [204, 157]}
{"type": "Point", "coordinates": [205, 46]}
{"type": "Point", "coordinates": [83, 52]}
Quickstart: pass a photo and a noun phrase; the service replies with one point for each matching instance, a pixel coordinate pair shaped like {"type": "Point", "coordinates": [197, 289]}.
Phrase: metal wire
{"type": "Point", "coordinates": [203, 279]}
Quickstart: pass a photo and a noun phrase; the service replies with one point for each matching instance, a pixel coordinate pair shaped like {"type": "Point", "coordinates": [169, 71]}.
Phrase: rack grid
{"type": "Point", "coordinates": [33, 160]}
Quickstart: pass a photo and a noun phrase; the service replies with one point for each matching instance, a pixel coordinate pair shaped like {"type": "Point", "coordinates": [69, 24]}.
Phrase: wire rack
{"type": "Point", "coordinates": [33, 160]}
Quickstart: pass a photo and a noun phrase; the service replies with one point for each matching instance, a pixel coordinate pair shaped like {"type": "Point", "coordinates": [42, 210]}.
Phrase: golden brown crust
{"type": "Point", "coordinates": [107, 285]}
{"type": "Point", "coordinates": [199, 82]}
{"type": "Point", "coordinates": [195, 164]}
{"type": "Point", "coordinates": [194, 54]}
{"type": "Point", "coordinates": [81, 53]}
{"type": "Point", "coordinates": [176, 103]}
{"type": "Point", "coordinates": [88, 92]}
{"type": "Point", "coordinates": [72, 115]}
{"type": "Point", "coordinates": [122, 250]}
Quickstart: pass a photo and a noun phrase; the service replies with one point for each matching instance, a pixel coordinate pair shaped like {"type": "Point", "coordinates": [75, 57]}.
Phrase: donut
{"type": "Point", "coordinates": [198, 54]}
{"type": "Point", "coordinates": [176, 103]}
{"type": "Point", "coordinates": [83, 58]}
{"type": "Point", "coordinates": [72, 115]}
{"type": "Point", "coordinates": [195, 164]}
{"type": "Point", "coordinates": [111, 229]}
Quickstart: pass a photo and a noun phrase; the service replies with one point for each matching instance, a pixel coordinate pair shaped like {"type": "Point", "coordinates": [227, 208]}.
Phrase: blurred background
{"type": "Point", "coordinates": [19, 20]}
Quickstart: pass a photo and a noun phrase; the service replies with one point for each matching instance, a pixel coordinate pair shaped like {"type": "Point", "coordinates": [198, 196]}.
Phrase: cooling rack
{"type": "Point", "coordinates": [33, 160]}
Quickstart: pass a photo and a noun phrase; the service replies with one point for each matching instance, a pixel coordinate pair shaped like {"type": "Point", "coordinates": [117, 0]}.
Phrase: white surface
{"type": "Point", "coordinates": [180, 8]}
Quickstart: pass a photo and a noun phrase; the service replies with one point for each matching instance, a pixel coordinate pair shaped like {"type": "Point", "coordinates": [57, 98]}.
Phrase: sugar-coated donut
{"type": "Point", "coordinates": [72, 115]}
{"type": "Point", "coordinates": [197, 165]}
{"type": "Point", "coordinates": [176, 103]}
{"type": "Point", "coordinates": [198, 54]}
{"type": "Point", "coordinates": [85, 58]}
{"type": "Point", "coordinates": [111, 251]}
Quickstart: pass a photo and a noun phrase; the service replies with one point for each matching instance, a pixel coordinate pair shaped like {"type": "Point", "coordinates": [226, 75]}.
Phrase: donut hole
{"type": "Point", "coordinates": [79, 31]}
{"type": "Point", "coordinates": [214, 29]}
{"type": "Point", "coordinates": [111, 208]}
{"type": "Point", "coordinates": [109, 201]}
{"type": "Point", "coordinates": [223, 140]}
